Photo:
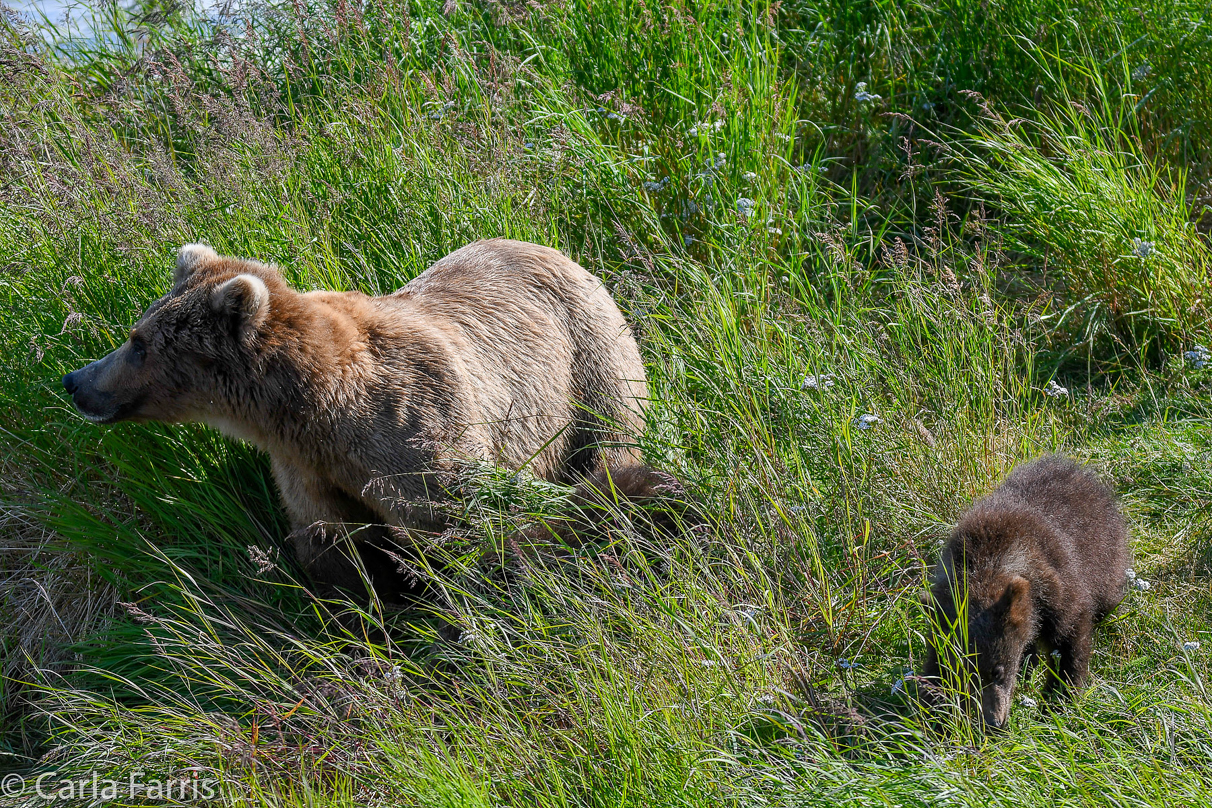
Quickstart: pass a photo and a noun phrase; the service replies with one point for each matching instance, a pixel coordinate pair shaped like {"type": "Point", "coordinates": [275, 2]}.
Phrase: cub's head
{"type": "Point", "coordinates": [191, 352]}
{"type": "Point", "coordinates": [983, 625]}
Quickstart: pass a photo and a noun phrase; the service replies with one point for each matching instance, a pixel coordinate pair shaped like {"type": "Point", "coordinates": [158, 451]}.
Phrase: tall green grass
{"type": "Point", "coordinates": [794, 255]}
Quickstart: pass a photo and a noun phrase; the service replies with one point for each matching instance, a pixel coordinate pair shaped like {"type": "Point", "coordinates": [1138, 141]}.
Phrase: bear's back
{"type": "Point", "coordinates": [1084, 515]}
{"type": "Point", "coordinates": [545, 342]}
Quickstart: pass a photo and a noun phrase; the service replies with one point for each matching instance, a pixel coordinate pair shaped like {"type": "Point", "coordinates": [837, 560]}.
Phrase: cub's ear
{"type": "Point", "coordinates": [245, 299]}
{"type": "Point", "coordinates": [189, 257]}
{"type": "Point", "coordinates": [1018, 595]}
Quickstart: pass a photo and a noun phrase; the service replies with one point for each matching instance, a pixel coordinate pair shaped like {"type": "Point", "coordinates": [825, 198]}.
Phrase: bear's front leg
{"type": "Point", "coordinates": [339, 541]}
{"type": "Point", "coordinates": [344, 559]}
{"type": "Point", "coordinates": [1073, 665]}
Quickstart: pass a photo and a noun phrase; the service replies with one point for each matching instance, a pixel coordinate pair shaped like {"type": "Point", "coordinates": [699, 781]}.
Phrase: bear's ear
{"type": "Point", "coordinates": [244, 299]}
{"type": "Point", "coordinates": [189, 257]}
{"type": "Point", "coordinates": [1018, 596]}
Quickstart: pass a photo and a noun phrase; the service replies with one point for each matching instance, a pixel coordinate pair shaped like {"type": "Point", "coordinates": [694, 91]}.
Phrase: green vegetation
{"type": "Point", "coordinates": [934, 213]}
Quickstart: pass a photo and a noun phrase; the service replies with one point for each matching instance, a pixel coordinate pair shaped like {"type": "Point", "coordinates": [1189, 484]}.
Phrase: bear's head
{"type": "Point", "coordinates": [983, 627]}
{"type": "Point", "coordinates": [193, 351]}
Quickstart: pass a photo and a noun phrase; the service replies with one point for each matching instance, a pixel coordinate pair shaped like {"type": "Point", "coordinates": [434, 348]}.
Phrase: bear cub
{"type": "Point", "coordinates": [1029, 570]}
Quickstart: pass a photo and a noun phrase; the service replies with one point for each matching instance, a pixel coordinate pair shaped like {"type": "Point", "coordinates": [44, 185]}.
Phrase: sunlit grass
{"type": "Point", "coordinates": [846, 343]}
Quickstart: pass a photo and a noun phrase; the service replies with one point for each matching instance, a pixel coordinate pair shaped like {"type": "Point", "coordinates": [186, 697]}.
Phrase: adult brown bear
{"type": "Point", "coordinates": [502, 351]}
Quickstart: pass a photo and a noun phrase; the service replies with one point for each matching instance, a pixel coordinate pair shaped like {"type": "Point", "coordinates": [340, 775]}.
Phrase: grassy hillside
{"type": "Point", "coordinates": [984, 223]}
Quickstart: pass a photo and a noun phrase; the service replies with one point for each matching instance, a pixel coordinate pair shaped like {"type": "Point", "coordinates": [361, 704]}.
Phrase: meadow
{"type": "Point", "coordinates": [876, 254]}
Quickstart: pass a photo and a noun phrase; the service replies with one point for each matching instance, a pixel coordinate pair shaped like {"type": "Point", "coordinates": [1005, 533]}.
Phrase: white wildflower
{"type": "Point", "coordinates": [447, 107]}
{"type": "Point", "coordinates": [688, 240]}
{"type": "Point", "coordinates": [1054, 390]}
{"type": "Point", "coordinates": [861, 94]}
{"type": "Point", "coordinates": [1027, 701]}
{"type": "Point", "coordinates": [899, 685]}
{"type": "Point", "coordinates": [708, 663]}
{"type": "Point", "coordinates": [745, 205]}
{"type": "Point", "coordinates": [1141, 584]}
{"type": "Point", "coordinates": [866, 421]}
{"type": "Point", "coordinates": [1055, 653]}
{"type": "Point", "coordinates": [822, 382]}
{"type": "Point", "coordinates": [1143, 249]}
{"type": "Point", "coordinates": [846, 664]}
{"type": "Point", "coordinates": [1191, 645]}
{"type": "Point", "coordinates": [1198, 356]}
{"type": "Point", "coordinates": [1130, 574]}
{"type": "Point", "coordinates": [749, 176]}
{"type": "Point", "coordinates": [1140, 72]}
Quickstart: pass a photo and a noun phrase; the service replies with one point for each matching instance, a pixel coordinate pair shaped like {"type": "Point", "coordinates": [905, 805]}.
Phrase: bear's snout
{"type": "Point", "coordinates": [88, 389]}
{"type": "Point", "coordinates": [995, 706]}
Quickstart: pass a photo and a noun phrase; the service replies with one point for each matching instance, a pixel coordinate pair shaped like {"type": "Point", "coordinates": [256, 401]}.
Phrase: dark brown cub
{"type": "Point", "coordinates": [1037, 563]}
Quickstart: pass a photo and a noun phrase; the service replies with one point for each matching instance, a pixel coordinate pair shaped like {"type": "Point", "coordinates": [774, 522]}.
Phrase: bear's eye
{"type": "Point", "coordinates": [138, 348]}
{"type": "Point", "coordinates": [998, 672]}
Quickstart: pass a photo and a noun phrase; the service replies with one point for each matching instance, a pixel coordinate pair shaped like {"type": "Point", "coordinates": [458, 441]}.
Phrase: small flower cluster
{"type": "Point", "coordinates": [656, 187]}
{"type": "Point", "coordinates": [1143, 249]}
{"type": "Point", "coordinates": [861, 94]}
{"type": "Point", "coordinates": [1140, 72]}
{"type": "Point", "coordinates": [822, 382]}
{"type": "Point", "coordinates": [1054, 390]}
{"type": "Point", "coordinates": [1191, 645]}
{"type": "Point", "coordinates": [1198, 356]}
{"type": "Point", "coordinates": [866, 421]}
{"type": "Point", "coordinates": [437, 114]}
{"type": "Point", "coordinates": [899, 685]}
{"type": "Point", "coordinates": [1136, 581]}
{"type": "Point", "coordinates": [744, 206]}
{"type": "Point", "coordinates": [706, 127]}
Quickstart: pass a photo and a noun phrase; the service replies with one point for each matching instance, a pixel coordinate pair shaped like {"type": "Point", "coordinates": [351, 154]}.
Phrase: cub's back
{"type": "Point", "coordinates": [1083, 510]}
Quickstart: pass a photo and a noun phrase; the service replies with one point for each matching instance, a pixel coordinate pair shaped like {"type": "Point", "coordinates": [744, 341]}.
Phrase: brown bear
{"type": "Point", "coordinates": [1031, 568]}
{"type": "Point", "coordinates": [502, 351]}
